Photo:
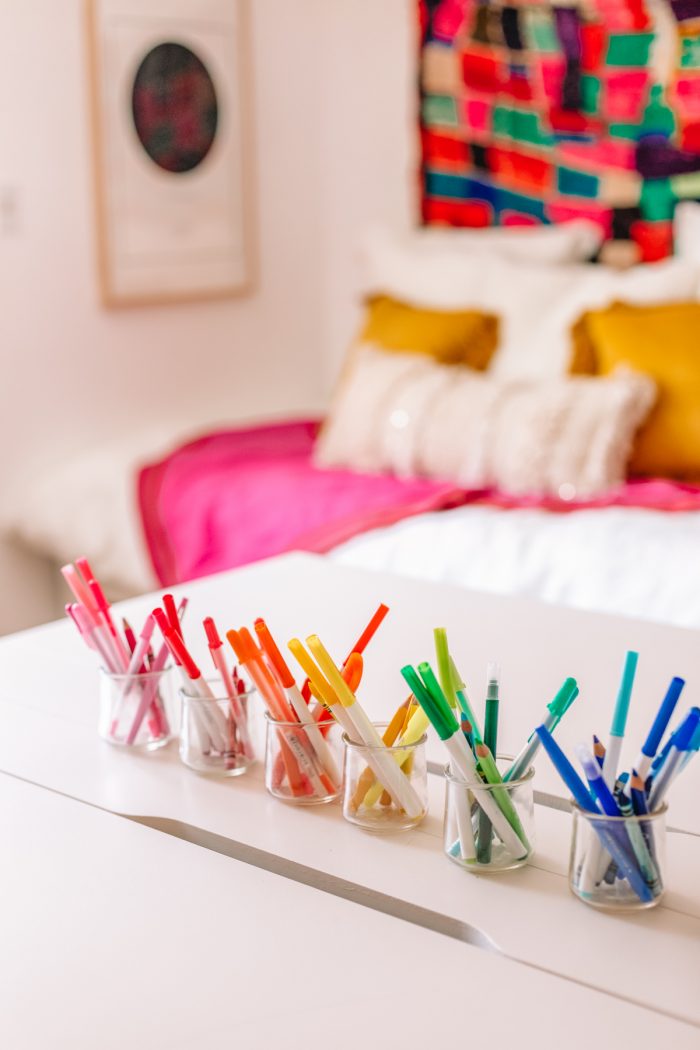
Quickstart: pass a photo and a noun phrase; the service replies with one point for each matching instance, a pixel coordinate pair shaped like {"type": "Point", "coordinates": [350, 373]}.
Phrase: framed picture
{"type": "Point", "coordinates": [171, 149]}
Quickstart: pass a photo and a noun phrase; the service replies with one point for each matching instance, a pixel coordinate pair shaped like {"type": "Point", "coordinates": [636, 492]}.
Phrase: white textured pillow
{"type": "Point", "coordinates": [537, 304]}
{"type": "Point", "coordinates": [411, 416]}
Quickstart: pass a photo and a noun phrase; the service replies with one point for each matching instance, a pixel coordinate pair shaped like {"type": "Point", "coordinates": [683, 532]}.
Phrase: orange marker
{"type": "Point", "coordinates": [329, 772]}
{"type": "Point", "coordinates": [359, 646]}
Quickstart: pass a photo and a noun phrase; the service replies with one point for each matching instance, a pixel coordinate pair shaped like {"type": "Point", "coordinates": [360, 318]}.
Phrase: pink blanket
{"type": "Point", "coordinates": [241, 495]}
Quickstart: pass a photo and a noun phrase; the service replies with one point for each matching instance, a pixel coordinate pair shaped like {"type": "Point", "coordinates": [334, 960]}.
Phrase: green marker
{"type": "Point", "coordinates": [463, 700]}
{"type": "Point", "coordinates": [483, 851]}
{"type": "Point", "coordinates": [489, 768]}
{"type": "Point", "coordinates": [442, 653]}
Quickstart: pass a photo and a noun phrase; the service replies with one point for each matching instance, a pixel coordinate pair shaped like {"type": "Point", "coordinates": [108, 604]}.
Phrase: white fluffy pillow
{"type": "Point", "coordinates": [567, 242]}
{"type": "Point", "coordinates": [408, 415]}
{"type": "Point", "coordinates": [538, 304]}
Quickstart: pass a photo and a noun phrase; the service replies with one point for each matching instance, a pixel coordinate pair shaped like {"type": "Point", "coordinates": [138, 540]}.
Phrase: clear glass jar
{"type": "Point", "coordinates": [368, 802]}
{"type": "Point", "coordinates": [136, 710]}
{"type": "Point", "coordinates": [471, 836]}
{"type": "Point", "coordinates": [215, 734]}
{"type": "Point", "coordinates": [635, 848]}
{"type": "Point", "coordinates": [297, 768]}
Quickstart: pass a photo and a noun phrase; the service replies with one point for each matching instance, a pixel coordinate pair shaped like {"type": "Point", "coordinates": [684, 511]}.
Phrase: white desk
{"type": "Point", "coordinates": [114, 935]}
{"type": "Point", "coordinates": [47, 735]}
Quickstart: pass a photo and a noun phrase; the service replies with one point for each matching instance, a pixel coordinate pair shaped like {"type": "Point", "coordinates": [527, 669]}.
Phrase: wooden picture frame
{"type": "Point", "coordinates": [169, 93]}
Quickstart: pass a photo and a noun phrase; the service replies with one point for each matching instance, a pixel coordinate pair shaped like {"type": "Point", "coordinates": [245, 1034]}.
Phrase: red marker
{"type": "Point", "coordinates": [171, 613]}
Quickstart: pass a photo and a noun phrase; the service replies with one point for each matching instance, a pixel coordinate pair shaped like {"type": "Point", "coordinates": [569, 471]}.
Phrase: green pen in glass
{"type": "Point", "coordinates": [483, 849]}
{"type": "Point", "coordinates": [442, 653]}
{"type": "Point", "coordinates": [489, 769]}
{"type": "Point", "coordinates": [463, 700]}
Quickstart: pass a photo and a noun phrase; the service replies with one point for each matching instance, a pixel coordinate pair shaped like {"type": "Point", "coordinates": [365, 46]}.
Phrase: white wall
{"type": "Point", "coordinates": [370, 146]}
{"type": "Point", "coordinates": [332, 109]}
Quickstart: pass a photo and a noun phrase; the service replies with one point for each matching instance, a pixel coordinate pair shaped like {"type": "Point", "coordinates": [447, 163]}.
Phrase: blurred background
{"type": "Point", "coordinates": [332, 146]}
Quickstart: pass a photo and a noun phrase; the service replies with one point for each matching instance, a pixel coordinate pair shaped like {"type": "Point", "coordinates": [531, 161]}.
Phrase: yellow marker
{"type": "Point", "coordinates": [364, 732]}
{"type": "Point", "coordinates": [391, 732]}
{"type": "Point", "coordinates": [322, 689]}
{"type": "Point", "coordinates": [416, 728]}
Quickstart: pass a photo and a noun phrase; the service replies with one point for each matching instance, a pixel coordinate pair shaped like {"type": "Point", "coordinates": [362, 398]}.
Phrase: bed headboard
{"type": "Point", "coordinates": [535, 113]}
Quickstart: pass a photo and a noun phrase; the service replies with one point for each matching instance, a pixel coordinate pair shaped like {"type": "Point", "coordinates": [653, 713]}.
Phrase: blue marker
{"type": "Point", "coordinates": [617, 846]}
{"type": "Point", "coordinates": [566, 771]}
{"type": "Point", "coordinates": [694, 746]}
{"type": "Point", "coordinates": [600, 789]}
{"type": "Point", "coordinates": [680, 743]}
{"type": "Point", "coordinates": [658, 728]}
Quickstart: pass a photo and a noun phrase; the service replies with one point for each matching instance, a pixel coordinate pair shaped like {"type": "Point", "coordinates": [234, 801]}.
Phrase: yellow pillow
{"type": "Point", "coordinates": [452, 337]}
{"type": "Point", "coordinates": [664, 342]}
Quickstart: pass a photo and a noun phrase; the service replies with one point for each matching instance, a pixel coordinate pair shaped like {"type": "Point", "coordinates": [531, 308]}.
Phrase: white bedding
{"type": "Point", "coordinates": [636, 563]}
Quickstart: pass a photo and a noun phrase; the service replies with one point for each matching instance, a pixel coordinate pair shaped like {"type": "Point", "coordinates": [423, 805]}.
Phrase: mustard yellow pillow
{"type": "Point", "coordinates": [452, 337]}
{"type": "Point", "coordinates": [663, 342]}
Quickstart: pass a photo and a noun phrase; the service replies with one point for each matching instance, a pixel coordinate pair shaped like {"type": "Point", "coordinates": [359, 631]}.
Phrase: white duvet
{"type": "Point", "coordinates": [636, 563]}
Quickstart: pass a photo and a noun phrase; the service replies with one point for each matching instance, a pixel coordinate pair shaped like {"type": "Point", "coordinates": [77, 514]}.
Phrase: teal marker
{"type": "Point", "coordinates": [619, 719]}
{"type": "Point", "coordinates": [555, 712]}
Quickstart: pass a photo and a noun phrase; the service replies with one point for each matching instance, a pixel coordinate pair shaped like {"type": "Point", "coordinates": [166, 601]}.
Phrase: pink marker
{"type": "Point", "coordinates": [96, 634]}
{"type": "Point", "coordinates": [216, 648]}
{"type": "Point", "coordinates": [81, 592]}
{"type": "Point", "coordinates": [136, 667]}
{"type": "Point", "coordinates": [158, 664]}
{"type": "Point", "coordinates": [105, 610]}
{"type": "Point", "coordinates": [87, 638]}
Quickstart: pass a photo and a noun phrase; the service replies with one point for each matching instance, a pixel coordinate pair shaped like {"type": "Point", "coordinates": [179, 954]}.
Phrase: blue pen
{"type": "Point", "coordinates": [619, 719]}
{"type": "Point", "coordinates": [611, 841]}
{"type": "Point", "coordinates": [694, 747]}
{"type": "Point", "coordinates": [598, 787]}
{"type": "Point", "coordinates": [680, 743]}
{"type": "Point", "coordinates": [658, 728]}
{"type": "Point", "coordinates": [566, 771]}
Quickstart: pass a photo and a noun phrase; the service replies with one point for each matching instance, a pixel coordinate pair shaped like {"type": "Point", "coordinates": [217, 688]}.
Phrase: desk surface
{"type": "Point", "coordinates": [114, 935]}
{"type": "Point", "coordinates": [47, 735]}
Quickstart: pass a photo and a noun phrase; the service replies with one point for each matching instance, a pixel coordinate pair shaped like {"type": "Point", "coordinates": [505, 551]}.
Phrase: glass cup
{"type": "Point", "coordinates": [215, 734]}
{"type": "Point", "coordinates": [136, 710]}
{"type": "Point", "coordinates": [618, 863]}
{"type": "Point", "coordinates": [490, 827]}
{"type": "Point", "coordinates": [302, 761]}
{"type": "Point", "coordinates": [378, 802]}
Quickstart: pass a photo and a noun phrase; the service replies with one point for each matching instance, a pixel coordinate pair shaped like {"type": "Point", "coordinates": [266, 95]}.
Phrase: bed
{"type": "Point", "coordinates": [635, 552]}
{"type": "Point", "coordinates": [159, 507]}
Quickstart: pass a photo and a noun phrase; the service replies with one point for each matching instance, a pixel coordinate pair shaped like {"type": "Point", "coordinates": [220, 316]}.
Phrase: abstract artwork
{"type": "Point", "coordinates": [171, 153]}
{"type": "Point", "coordinates": [539, 112]}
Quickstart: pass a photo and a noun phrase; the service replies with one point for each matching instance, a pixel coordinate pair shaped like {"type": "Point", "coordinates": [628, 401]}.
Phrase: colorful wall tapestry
{"type": "Point", "coordinates": [537, 113]}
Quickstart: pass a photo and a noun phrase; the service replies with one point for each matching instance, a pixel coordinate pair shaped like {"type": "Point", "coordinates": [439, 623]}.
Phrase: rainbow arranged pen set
{"type": "Point", "coordinates": [617, 859]}
{"type": "Point", "coordinates": [381, 772]}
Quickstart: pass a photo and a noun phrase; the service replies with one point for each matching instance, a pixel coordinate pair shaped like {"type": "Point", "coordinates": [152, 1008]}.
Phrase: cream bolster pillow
{"type": "Point", "coordinates": [406, 415]}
